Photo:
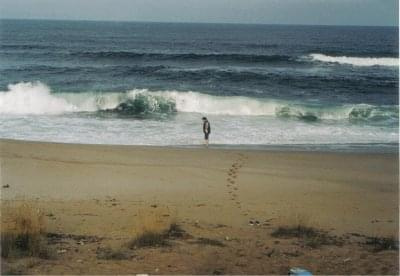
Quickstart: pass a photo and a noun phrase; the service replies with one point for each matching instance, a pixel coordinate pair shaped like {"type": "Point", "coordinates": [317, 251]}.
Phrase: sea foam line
{"type": "Point", "coordinates": [357, 61]}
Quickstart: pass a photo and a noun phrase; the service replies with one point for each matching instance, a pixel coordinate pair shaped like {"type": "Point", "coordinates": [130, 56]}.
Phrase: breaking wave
{"type": "Point", "coordinates": [32, 98]}
{"type": "Point", "coordinates": [142, 104]}
{"type": "Point", "coordinates": [37, 98]}
{"type": "Point", "coordinates": [357, 113]}
{"type": "Point", "coordinates": [357, 61]}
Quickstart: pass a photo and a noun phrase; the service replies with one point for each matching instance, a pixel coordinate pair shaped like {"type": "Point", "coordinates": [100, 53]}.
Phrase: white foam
{"type": "Point", "coordinates": [357, 61]}
{"type": "Point", "coordinates": [217, 105]}
{"type": "Point", "coordinates": [91, 102]}
{"type": "Point", "coordinates": [36, 98]}
{"type": "Point", "coordinates": [32, 98]}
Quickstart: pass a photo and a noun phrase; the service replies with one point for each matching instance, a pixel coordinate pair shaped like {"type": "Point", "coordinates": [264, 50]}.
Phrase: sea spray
{"type": "Point", "coordinates": [32, 98]}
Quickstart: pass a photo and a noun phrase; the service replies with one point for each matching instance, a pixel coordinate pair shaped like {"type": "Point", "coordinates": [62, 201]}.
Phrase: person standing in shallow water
{"type": "Point", "coordinates": [206, 130]}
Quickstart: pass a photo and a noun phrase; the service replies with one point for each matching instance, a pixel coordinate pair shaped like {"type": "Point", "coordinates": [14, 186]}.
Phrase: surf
{"type": "Point", "coordinates": [38, 99]}
{"type": "Point", "coordinates": [32, 98]}
{"type": "Point", "coordinates": [356, 61]}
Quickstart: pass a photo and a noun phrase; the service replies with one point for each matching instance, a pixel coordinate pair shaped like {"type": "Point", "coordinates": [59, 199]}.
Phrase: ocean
{"type": "Point", "coordinates": [272, 86]}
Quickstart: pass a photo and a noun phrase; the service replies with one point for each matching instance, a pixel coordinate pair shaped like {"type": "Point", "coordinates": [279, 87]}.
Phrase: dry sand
{"type": "Point", "coordinates": [105, 191]}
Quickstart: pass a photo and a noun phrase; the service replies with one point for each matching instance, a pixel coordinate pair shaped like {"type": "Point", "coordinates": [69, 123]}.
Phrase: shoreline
{"type": "Point", "coordinates": [369, 148]}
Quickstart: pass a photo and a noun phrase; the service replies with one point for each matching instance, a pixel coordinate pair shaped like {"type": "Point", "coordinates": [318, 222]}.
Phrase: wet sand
{"type": "Point", "coordinates": [99, 190]}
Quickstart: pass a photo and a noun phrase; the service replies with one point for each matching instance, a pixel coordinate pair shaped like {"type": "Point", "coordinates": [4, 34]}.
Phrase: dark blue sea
{"type": "Point", "coordinates": [325, 87]}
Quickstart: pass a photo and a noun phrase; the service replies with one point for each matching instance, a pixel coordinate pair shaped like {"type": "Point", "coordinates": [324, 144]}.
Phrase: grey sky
{"type": "Point", "coordinates": [321, 12]}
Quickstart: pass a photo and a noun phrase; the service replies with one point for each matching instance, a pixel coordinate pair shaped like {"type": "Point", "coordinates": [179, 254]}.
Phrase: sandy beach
{"type": "Point", "coordinates": [236, 197]}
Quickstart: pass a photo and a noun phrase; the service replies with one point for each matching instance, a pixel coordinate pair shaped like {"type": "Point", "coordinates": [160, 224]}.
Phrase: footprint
{"type": "Point", "coordinates": [233, 174]}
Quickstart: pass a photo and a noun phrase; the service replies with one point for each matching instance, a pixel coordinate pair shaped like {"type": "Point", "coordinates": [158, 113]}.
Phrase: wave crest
{"type": "Point", "coordinates": [32, 98]}
{"type": "Point", "coordinates": [304, 115]}
{"type": "Point", "coordinates": [36, 98]}
{"type": "Point", "coordinates": [143, 104]}
{"type": "Point", "coordinates": [357, 61]}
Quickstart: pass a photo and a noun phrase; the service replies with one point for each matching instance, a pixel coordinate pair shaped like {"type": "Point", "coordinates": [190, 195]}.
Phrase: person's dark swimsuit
{"type": "Point", "coordinates": [206, 129]}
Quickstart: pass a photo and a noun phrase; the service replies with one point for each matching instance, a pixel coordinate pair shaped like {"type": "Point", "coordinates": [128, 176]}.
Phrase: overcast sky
{"type": "Point", "coordinates": [319, 12]}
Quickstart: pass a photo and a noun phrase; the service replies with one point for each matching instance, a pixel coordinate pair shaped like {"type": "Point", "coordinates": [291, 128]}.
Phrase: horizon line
{"type": "Point", "coordinates": [194, 22]}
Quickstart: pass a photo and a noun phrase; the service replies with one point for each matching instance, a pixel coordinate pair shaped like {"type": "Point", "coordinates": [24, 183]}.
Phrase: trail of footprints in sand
{"type": "Point", "coordinates": [231, 184]}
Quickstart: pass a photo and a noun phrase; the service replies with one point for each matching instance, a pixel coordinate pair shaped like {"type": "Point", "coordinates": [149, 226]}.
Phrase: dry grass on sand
{"type": "Point", "coordinates": [155, 228]}
{"type": "Point", "coordinates": [158, 238]}
{"type": "Point", "coordinates": [23, 233]}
